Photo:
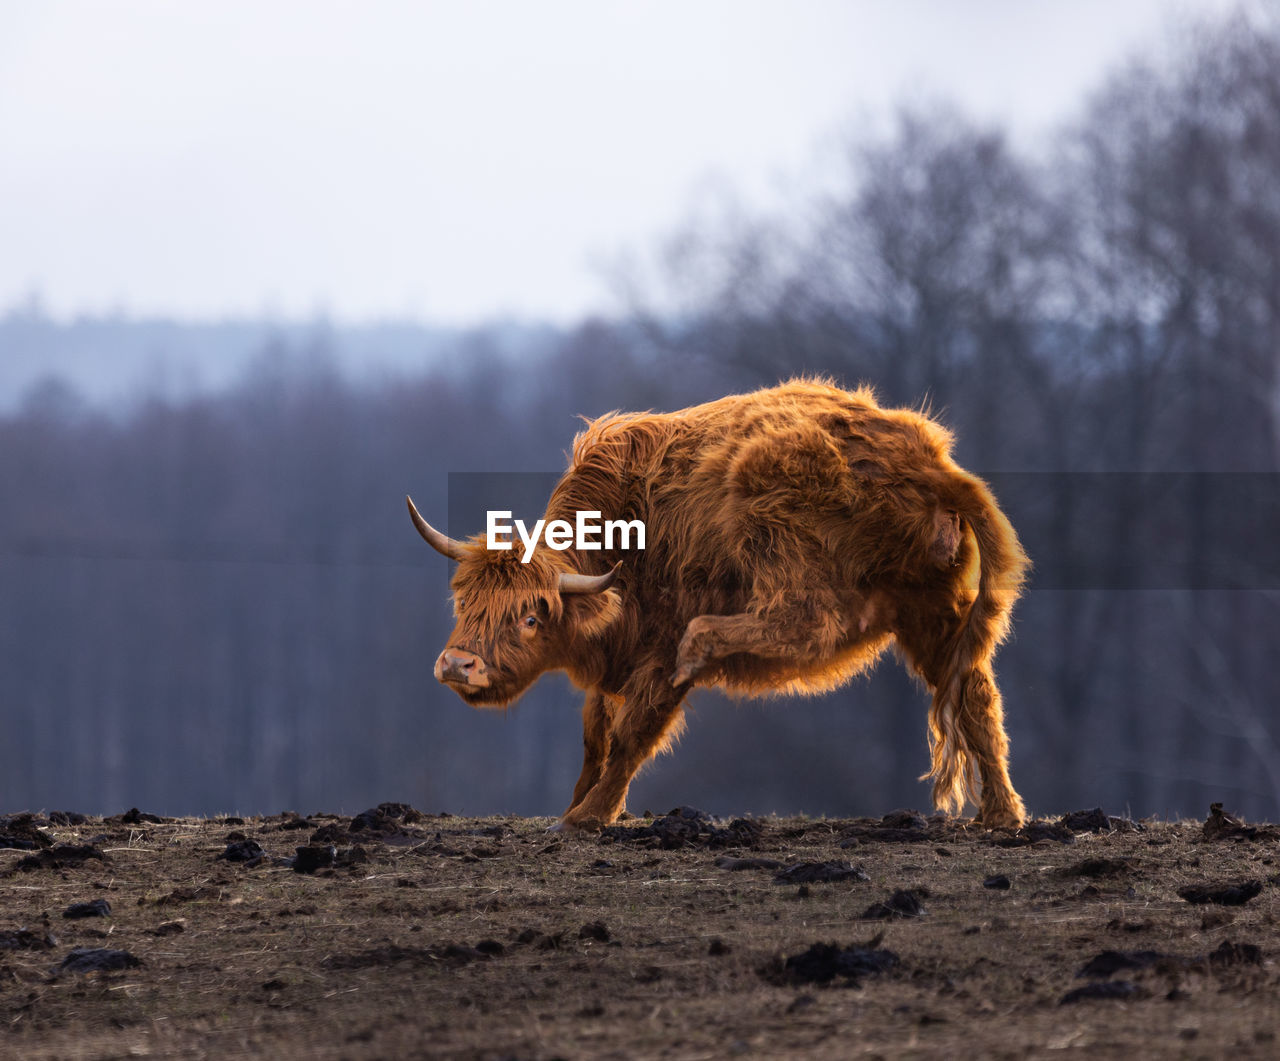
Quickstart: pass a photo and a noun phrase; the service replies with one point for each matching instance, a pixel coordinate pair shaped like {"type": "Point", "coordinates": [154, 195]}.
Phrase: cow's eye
{"type": "Point", "coordinates": [530, 621]}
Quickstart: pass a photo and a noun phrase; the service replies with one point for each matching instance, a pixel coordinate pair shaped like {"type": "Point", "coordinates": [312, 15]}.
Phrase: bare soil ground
{"type": "Point", "coordinates": [397, 935]}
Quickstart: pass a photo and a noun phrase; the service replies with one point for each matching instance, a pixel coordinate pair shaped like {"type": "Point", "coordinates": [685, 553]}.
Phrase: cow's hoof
{"type": "Point", "coordinates": [999, 820]}
{"type": "Point", "coordinates": [568, 828]}
{"type": "Point", "coordinates": [694, 652]}
{"type": "Point", "coordinates": [686, 672]}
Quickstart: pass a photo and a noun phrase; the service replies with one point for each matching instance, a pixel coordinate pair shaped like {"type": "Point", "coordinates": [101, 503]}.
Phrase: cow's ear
{"type": "Point", "coordinates": [591, 614]}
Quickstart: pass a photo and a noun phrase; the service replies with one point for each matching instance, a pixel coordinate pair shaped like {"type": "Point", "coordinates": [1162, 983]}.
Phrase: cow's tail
{"type": "Point", "coordinates": [960, 692]}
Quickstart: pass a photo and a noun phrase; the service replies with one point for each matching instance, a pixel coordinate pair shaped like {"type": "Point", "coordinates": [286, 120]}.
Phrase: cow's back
{"type": "Point", "coordinates": [746, 497]}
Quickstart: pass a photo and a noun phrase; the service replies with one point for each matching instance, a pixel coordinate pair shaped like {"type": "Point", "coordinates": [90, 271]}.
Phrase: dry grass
{"type": "Point", "coordinates": [490, 939]}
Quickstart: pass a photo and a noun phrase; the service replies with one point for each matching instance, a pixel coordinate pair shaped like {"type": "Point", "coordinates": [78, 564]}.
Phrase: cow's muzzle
{"type": "Point", "coordinates": [458, 667]}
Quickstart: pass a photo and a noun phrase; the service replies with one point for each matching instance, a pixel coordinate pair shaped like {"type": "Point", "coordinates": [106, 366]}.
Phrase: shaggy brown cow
{"type": "Point", "coordinates": [792, 535]}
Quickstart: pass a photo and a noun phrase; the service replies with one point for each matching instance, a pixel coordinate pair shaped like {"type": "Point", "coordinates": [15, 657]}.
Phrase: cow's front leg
{"type": "Point", "coordinates": [804, 634]}
{"type": "Point", "coordinates": [645, 723]}
{"type": "Point", "coordinates": [597, 718]}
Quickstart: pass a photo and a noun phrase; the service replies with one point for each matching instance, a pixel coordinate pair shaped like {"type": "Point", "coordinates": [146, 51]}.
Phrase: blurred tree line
{"type": "Point", "coordinates": [217, 603]}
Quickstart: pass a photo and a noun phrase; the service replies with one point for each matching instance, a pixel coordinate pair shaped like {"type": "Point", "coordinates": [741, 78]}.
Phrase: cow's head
{"type": "Point", "coordinates": [515, 620]}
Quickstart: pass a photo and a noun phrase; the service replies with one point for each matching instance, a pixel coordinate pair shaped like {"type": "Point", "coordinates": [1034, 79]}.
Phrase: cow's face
{"type": "Point", "coordinates": [515, 620]}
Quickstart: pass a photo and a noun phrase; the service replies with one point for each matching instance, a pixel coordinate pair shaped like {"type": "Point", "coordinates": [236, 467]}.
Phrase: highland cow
{"type": "Point", "coordinates": [793, 535]}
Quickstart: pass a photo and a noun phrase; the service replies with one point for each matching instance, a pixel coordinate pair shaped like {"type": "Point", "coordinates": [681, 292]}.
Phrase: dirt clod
{"type": "Point", "coordinates": [291, 820]}
{"type": "Point", "coordinates": [204, 893]}
{"type": "Point", "coordinates": [27, 939]}
{"type": "Point", "coordinates": [23, 832]}
{"type": "Point", "coordinates": [330, 833]}
{"type": "Point", "coordinates": [1222, 826]}
{"type": "Point", "coordinates": [1103, 989]}
{"type": "Point", "coordinates": [734, 864]}
{"type": "Point", "coordinates": [94, 908]}
{"type": "Point", "coordinates": [97, 960]}
{"type": "Point", "coordinates": [824, 962]}
{"type": "Point", "coordinates": [1228, 953]}
{"type": "Point", "coordinates": [1231, 893]}
{"type": "Point", "coordinates": [314, 857]}
{"type": "Point", "coordinates": [1036, 831]}
{"type": "Point", "coordinates": [820, 873]}
{"type": "Point", "coordinates": [1096, 868]}
{"type": "Point", "coordinates": [902, 903]}
{"type": "Point", "coordinates": [1112, 961]}
{"type": "Point", "coordinates": [60, 856]}
{"type": "Point", "coordinates": [243, 851]}
{"type": "Point", "coordinates": [133, 816]}
{"type": "Point", "coordinates": [385, 818]}
{"type": "Point", "coordinates": [1088, 821]}
{"type": "Point", "coordinates": [687, 827]}
{"type": "Point", "coordinates": [451, 954]}
{"type": "Point", "coordinates": [66, 817]}
{"type": "Point", "coordinates": [900, 826]}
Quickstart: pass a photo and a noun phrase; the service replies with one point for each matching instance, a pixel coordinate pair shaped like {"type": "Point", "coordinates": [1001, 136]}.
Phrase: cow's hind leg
{"type": "Point", "coordinates": [646, 723]}
{"type": "Point", "coordinates": [805, 636]}
{"type": "Point", "coordinates": [982, 728]}
{"type": "Point", "coordinates": [967, 733]}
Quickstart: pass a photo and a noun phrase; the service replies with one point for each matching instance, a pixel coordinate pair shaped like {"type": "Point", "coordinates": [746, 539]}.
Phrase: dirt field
{"type": "Point", "coordinates": [397, 934]}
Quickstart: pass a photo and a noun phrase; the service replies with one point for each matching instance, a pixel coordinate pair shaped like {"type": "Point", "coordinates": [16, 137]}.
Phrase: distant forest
{"type": "Point", "coordinates": [213, 600]}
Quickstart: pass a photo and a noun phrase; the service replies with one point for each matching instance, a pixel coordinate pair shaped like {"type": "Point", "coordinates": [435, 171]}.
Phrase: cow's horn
{"type": "Point", "coordinates": [574, 583]}
{"type": "Point", "coordinates": [441, 543]}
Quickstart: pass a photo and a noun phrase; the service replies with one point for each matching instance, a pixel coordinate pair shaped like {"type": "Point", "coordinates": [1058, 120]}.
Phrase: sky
{"type": "Point", "coordinates": [451, 162]}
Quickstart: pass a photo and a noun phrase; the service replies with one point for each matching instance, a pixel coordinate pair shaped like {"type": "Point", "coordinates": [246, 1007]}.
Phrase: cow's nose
{"type": "Point", "coordinates": [463, 661]}
{"type": "Point", "coordinates": [461, 667]}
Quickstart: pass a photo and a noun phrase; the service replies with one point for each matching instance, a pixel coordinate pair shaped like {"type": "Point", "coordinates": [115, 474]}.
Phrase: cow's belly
{"type": "Point", "coordinates": [743, 674]}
